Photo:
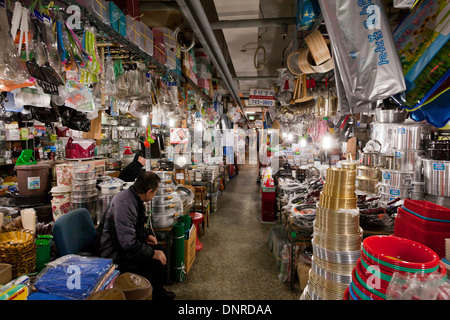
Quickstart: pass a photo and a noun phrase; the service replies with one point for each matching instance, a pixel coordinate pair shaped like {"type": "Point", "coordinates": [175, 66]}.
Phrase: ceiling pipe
{"type": "Point", "coordinates": [193, 24]}
{"type": "Point", "coordinates": [252, 23]}
{"type": "Point", "coordinates": [194, 13]}
{"type": "Point", "coordinates": [158, 6]}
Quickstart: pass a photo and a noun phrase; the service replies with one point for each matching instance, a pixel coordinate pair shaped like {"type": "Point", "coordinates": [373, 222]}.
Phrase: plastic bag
{"type": "Point", "coordinates": [72, 276]}
{"type": "Point", "coordinates": [422, 43]}
{"type": "Point", "coordinates": [363, 50]}
{"type": "Point", "coordinates": [74, 119]}
{"type": "Point", "coordinates": [418, 286]}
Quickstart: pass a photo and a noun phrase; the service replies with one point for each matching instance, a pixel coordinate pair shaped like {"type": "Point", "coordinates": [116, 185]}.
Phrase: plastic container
{"type": "Point", "coordinates": [110, 188]}
{"type": "Point", "coordinates": [361, 287]}
{"type": "Point", "coordinates": [428, 209]}
{"type": "Point", "coordinates": [81, 185]}
{"type": "Point", "coordinates": [395, 253]}
{"type": "Point", "coordinates": [33, 179]}
{"type": "Point", "coordinates": [43, 245]}
{"type": "Point", "coordinates": [64, 174]}
{"type": "Point", "coordinates": [171, 59]}
{"type": "Point", "coordinates": [100, 8]}
{"type": "Point", "coordinates": [159, 50]}
{"type": "Point", "coordinates": [166, 36]}
{"type": "Point", "coordinates": [427, 231]}
{"type": "Point", "coordinates": [147, 34]}
{"type": "Point", "coordinates": [83, 174]}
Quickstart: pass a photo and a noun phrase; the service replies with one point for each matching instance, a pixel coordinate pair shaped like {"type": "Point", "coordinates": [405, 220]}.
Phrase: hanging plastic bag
{"type": "Point", "coordinates": [307, 14]}
{"type": "Point", "coordinates": [80, 100]}
{"type": "Point", "coordinates": [363, 50]}
{"type": "Point", "coordinates": [110, 79]}
{"type": "Point", "coordinates": [74, 119]}
{"type": "Point", "coordinates": [13, 72]}
{"type": "Point", "coordinates": [422, 42]}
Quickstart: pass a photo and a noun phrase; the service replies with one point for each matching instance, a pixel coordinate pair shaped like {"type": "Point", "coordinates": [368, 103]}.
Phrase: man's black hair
{"type": "Point", "coordinates": [137, 154]}
{"type": "Point", "coordinates": [146, 181]}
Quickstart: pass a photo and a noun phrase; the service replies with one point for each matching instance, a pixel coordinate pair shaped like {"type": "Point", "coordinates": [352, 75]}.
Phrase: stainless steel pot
{"type": "Point", "coordinates": [396, 178]}
{"type": "Point", "coordinates": [165, 175]}
{"type": "Point", "coordinates": [369, 172]}
{"type": "Point", "coordinates": [437, 177]}
{"type": "Point", "coordinates": [412, 136]}
{"type": "Point", "coordinates": [163, 209]}
{"type": "Point", "coordinates": [161, 221]}
{"type": "Point", "coordinates": [367, 185]}
{"type": "Point", "coordinates": [163, 200]}
{"type": "Point", "coordinates": [410, 160]}
{"type": "Point", "coordinates": [164, 191]}
{"type": "Point", "coordinates": [417, 195]}
{"type": "Point", "coordinates": [390, 116]}
{"type": "Point", "coordinates": [441, 201]}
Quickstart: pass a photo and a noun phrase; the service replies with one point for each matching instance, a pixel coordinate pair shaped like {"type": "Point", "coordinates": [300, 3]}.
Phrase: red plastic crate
{"type": "Point", "coordinates": [429, 233]}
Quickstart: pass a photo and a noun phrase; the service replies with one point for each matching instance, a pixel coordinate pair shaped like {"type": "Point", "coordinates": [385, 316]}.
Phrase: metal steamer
{"type": "Point", "coordinates": [166, 205]}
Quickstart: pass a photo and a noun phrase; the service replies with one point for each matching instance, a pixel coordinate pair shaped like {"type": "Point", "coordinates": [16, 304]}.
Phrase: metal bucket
{"type": "Point", "coordinates": [437, 177]}
{"type": "Point", "coordinates": [396, 178]}
{"type": "Point", "coordinates": [412, 137]}
{"type": "Point", "coordinates": [410, 160]}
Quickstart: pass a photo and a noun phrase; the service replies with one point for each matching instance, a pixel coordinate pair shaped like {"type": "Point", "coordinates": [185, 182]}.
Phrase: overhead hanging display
{"type": "Point", "coordinates": [363, 52]}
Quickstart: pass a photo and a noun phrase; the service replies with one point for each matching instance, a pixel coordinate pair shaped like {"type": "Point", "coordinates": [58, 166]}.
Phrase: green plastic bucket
{"type": "Point", "coordinates": [43, 245]}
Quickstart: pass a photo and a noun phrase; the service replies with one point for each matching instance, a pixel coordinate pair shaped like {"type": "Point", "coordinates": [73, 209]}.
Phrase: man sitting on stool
{"type": "Point", "coordinates": [123, 235]}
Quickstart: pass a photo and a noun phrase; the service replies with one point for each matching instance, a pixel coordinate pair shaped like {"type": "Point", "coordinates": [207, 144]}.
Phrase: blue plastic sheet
{"type": "Point", "coordinates": [72, 276]}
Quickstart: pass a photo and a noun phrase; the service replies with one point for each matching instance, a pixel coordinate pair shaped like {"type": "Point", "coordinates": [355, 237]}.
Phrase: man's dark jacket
{"type": "Point", "coordinates": [122, 232]}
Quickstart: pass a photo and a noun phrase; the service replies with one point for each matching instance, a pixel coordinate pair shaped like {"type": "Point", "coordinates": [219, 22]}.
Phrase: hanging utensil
{"type": "Point", "coordinates": [24, 32]}
{"type": "Point", "coordinates": [50, 74]}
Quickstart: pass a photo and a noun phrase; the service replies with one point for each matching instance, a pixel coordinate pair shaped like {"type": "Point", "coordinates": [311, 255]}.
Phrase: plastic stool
{"type": "Point", "coordinates": [197, 218]}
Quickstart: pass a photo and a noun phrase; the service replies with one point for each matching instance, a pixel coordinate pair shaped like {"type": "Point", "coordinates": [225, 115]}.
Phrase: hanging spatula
{"type": "Point", "coordinates": [50, 74]}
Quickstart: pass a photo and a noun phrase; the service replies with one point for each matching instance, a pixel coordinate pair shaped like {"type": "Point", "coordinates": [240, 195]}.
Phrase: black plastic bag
{"type": "Point", "coordinates": [74, 119]}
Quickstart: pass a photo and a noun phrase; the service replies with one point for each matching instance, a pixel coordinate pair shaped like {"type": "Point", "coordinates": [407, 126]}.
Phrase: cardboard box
{"type": "Point", "coordinates": [303, 274]}
{"type": "Point", "coordinates": [14, 292]}
{"type": "Point", "coordinates": [98, 165]}
{"type": "Point", "coordinates": [189, 248]}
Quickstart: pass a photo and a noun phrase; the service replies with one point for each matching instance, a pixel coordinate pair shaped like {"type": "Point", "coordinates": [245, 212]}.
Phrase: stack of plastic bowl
{"type": "Point", "coordinates": [381, 257]}
{"type": "Point", "coordinates": [424, 222]}
{"type": "Point", "coordinates": [337, 237]}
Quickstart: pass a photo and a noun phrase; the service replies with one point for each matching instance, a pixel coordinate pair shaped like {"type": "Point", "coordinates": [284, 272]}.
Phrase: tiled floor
{"type": "Point", "coordinates": [236, 262]}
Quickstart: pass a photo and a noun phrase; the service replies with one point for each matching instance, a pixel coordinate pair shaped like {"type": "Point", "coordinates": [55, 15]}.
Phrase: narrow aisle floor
{"type": "Point", "coordinates": [235, 262]}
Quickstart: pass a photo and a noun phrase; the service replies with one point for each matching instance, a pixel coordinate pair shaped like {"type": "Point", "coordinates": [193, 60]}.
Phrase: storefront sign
{"type": "Point", "coordinates": [262, 97]}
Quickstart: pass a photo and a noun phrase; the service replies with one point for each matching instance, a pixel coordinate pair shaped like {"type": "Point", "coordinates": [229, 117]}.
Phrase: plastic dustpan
{"type": "Point", "coordinates": [26, 158]}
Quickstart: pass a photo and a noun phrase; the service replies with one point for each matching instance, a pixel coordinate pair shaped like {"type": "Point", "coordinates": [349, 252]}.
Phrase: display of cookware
{"type": "Point", "coordinates": [410, 160]}
{"type": "Point", "coordinates": [390, 116]}
{"type": "Point", "coordinates": [161, 221]}
{"type": "Point", "coordinates": [439, 150]}
{"type": "Point", "coordinates": [412, 136]}
{"type": "Point", "coordinates": [367, 184]}
{"type": "Point", "coordinates": [396, 178]}
{"type": "Point", "coordinates": [436, 177]}
{"type": "Point", "coordinates": [402, 192]}
{"type": "Point", "coordinates": [164, 175]}
{"type": "Point", "coordinates": [164, 191]}
{"type": "Point", "coordinates": [369, 172]}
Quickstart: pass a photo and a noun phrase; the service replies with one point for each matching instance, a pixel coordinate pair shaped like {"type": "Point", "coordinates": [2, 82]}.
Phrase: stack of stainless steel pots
{"type": "Point", "coordinates": [436, 171]}
{"type": "Point", "coordinates": [409, 149]}
{"type": "Point", "coordinates": [166, 202]}
{"type": "Point", "coordinates": [369, 174]}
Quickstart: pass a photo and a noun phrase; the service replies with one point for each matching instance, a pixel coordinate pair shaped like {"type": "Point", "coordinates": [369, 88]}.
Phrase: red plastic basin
{"type": "Point", "coordinates": [360, 280]}
{"type": "Point", "coordinates": [400, 252]}
{"type": "Point", "coordinates": [427, 209]}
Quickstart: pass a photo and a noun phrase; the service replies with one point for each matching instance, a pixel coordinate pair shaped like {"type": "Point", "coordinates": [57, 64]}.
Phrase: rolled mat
{"type": "Point", "coordinates": [178, 244]}
{"type": "Point", "coordinates": [187, 220]}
